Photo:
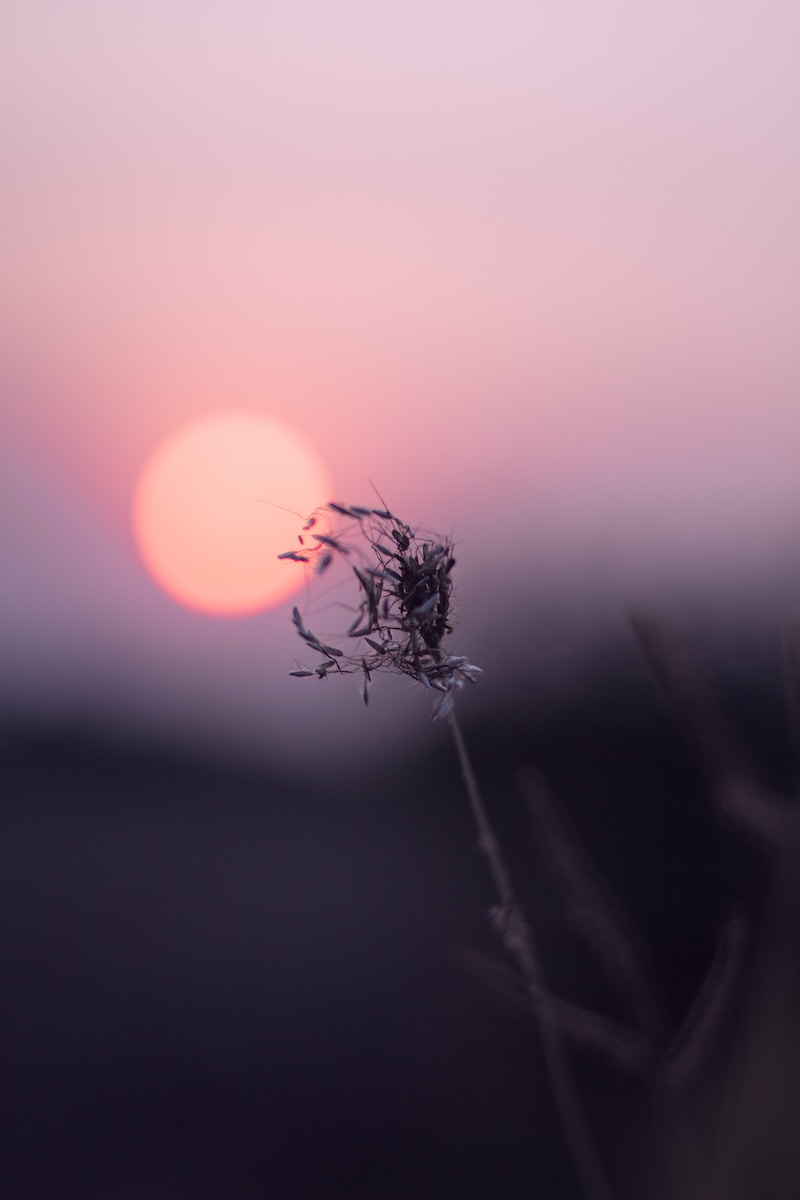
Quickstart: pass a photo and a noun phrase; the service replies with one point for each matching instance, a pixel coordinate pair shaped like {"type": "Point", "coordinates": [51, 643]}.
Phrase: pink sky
{"type": "Point", "coordinates": [536, 274]}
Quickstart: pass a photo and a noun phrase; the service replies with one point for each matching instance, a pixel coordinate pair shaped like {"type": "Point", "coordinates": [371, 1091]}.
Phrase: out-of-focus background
{"type": "Point", "coordinates": [532, 272]}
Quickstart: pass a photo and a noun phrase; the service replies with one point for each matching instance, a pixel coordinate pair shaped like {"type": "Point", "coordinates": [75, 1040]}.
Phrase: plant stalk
{"type": "Point", "coordinates": [520, 941]}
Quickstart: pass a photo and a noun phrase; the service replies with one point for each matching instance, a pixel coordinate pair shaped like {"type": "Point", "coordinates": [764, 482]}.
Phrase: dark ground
{"type": "Point", "coordinates": [217, 983]}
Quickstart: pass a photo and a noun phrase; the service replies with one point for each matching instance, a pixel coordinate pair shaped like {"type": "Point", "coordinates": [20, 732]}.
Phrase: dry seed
{"type": "Point", "coordinates": [329, 541]}
{"type": "Point", "coordinates": [298, 620]}
{"type": "Point", "coordinates": [354, 630]}
{"type": "Point", "coordinates": [423, 609]}
{"type": "Point", "coordinates": [368, 628]}
{"type": "Point", "coordinates": [404, 603]}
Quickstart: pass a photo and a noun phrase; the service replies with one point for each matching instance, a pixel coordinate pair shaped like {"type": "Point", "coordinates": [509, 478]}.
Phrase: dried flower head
{"type": "Point", "coordinates": [404, 610]}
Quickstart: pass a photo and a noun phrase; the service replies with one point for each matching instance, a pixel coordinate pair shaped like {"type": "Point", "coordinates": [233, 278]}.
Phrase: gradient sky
{"type": "Point", "coordinates": [534, 271]}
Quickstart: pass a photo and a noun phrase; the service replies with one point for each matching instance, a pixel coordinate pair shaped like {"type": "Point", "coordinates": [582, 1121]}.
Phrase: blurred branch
{"type": "Point", "coordinates": [712, 1008]}
{"type": "Point", "coordinates": [585, 1030]}
{"type": "Point", "coordinates": [602, 923]}
{"type": "Point", "coordinates": [739, 799]}
{"type": "Point", "coordinates": [518, 939]}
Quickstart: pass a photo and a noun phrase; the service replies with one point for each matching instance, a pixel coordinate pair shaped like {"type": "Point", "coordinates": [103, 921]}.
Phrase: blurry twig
{"type": "Point", "coordinates": [650, 1045]}
{"type": "Point", "coordinates": [602, 923]}
{"type": "Point", "coordinates": [602, 1038]}
{"type": "Point", "coordinates": [519, 941]}
{"type": "Point", "coordinates": [739, 798]}
{"type": "Point", "coordinates": [712, 1007]}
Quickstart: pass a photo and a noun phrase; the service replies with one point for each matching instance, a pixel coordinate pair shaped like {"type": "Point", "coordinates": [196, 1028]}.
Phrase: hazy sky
{"type": "Point", "coordinates": [532, 269]}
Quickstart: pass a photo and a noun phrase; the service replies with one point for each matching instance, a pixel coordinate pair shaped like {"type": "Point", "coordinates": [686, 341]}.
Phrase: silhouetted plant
{"type": "Point", "coordinates": [405, 592]}
{"type": "Point", "coordinates": [404, 614]}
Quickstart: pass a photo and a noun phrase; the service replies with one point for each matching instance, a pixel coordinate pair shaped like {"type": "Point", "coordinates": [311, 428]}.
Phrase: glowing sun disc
{"type": "Point", "coordinates": [200, 519]}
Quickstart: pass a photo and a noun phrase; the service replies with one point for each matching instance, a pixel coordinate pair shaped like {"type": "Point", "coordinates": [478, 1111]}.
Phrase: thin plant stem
{"type": "Point", "coordinates": [404, 615]}
{"type": "Point", "coordinates": [521, 942]}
